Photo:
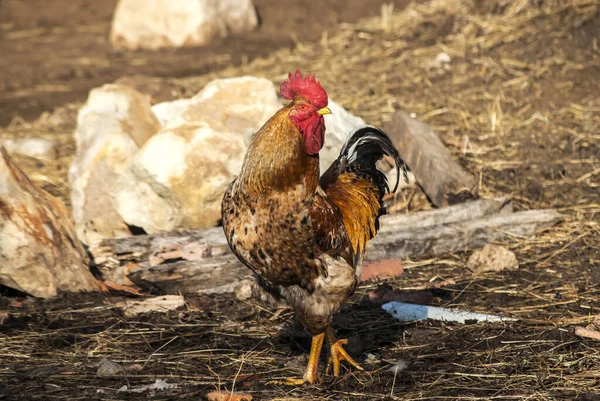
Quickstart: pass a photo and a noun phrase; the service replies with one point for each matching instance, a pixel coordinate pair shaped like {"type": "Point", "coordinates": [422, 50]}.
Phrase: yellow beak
{"type": "Point", "coordinates": [324, 110]}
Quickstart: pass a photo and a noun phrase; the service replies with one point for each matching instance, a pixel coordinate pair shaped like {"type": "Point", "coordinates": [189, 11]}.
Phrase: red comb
{"type": "Point", "coordinates": [306, 88]}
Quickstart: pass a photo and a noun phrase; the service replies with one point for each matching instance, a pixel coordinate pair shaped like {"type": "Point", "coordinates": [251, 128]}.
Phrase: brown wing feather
{"type": "Point", "coordinates": [329, 228]}
{"type": "Point", "coordinates": [357, 199]}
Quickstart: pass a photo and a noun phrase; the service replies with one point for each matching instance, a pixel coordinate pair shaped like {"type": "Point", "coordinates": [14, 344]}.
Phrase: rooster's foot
{"type": "Point", "coordinates": [310, 375]}
{"type": "Point", "coordinates": [337, 354]}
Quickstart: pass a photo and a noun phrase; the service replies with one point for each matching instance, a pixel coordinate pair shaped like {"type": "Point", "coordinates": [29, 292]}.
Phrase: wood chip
{"type": "Point", "coordinates": [587, 333]}
{"type": "Point", "coordinates": [227, 396]}
{"type": "Point", "coordinates": [157, 304]}
{"type": "Point", "coordinates": [382, 269]}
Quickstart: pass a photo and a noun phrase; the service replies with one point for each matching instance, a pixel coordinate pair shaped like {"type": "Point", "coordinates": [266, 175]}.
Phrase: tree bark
{"type": "Point", "coordinates": [460, 236]}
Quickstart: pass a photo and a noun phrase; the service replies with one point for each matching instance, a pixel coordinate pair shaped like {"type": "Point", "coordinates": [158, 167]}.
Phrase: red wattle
{"type": "Point", "coordinates": [313, 145]}
{"type": "Point", "coordinates": [313, 132]}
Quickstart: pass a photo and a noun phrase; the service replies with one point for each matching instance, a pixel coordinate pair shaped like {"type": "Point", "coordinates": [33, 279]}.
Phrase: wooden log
{"type": "Point", "coordinates": [451, 214]}
{"type": "Point", "coordinates": [442, 179]}
{"type": "Point", "coordinates": [215, 275]}
{"type": "Point", "coordinates": [470, 234]}
{"type": "Point", "coordinates": [427, 233]}
{"type": "Point", "coordinates": [113, 255]}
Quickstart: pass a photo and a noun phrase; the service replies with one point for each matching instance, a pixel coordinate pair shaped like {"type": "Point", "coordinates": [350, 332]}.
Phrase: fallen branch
{"type": "Point", "coordinates": [211, 275]}
{"type": "Point", "coordinates": [452, 214]}
{"type": "Point", "coordinates": [470, 234]}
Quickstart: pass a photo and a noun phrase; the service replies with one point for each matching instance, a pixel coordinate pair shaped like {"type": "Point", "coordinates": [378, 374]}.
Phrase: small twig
{"type": "Point", "coordinates": [159, 348]}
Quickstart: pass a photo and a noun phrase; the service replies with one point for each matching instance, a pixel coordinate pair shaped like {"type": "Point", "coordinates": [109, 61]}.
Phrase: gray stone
{"type": "Point", "coordinates": [109, 368]}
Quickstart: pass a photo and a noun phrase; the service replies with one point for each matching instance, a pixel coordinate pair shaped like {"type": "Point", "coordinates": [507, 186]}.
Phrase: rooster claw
{"type": "Point", "coordinates": [310, 375]}
{"type": "Point", "coordinates": [337, 354]}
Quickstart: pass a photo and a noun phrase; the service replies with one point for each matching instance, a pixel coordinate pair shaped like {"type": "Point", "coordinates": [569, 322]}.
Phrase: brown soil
{"type": "Point", "coordinates": [54, 52]}
{"type": "Point", "coordinates": [523, 86]}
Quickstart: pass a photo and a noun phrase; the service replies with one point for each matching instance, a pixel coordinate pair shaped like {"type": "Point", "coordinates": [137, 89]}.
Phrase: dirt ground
{"type": "Point", "coordinates": [54, 52]}
{"type": "Point", "coordinates": [518, 105]}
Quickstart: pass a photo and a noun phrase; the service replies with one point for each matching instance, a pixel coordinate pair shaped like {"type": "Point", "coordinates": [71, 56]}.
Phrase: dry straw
{"type": "Point", "coordinates": [521, 89]}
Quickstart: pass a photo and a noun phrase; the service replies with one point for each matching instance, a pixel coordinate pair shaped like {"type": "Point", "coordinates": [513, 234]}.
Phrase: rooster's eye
{"type": "Point", "coordinates": [302, 107]}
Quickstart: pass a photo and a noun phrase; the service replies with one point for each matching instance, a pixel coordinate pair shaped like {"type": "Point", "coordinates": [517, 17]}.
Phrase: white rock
{"type": "Point", "coordinates": [157, 385]}
{"type": "Point", "coordinates": [40, 148]}
{"type": "Point", "coordinates": [39, 251]}
{"type": "Point", "coordinates": [492, 258]}
{"type": "Point", "coordinates": [240, 105]}
{"type": "Point", "coordinates": [178, 178]}
{"type": "Point", "coordinates": [246, 290]}
{"type": "Point", "coordinates": [338, 125]}
{"type": "Point", "coordinates": [391, 175]}
{"type": "Point", "coordinates": [115, 121]}
{"type": "Point", "coordinates": [153, 24]}
{"type": "Point", "coordinates": [118, 103]}
{"type": "Point", "coordinates": [440, 62]}
{"type": "Point", "coordinates": [167, 111]}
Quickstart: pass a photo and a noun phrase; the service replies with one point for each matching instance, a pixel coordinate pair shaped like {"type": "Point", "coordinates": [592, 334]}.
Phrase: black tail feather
{"type": "Point", "coordinates": [364, 147]}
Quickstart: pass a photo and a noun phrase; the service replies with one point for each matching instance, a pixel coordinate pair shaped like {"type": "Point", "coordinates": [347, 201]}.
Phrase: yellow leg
{"type": "Point", "coordinates": [337, 354]}
{"type": "Point", "coordinates": [310, 375]}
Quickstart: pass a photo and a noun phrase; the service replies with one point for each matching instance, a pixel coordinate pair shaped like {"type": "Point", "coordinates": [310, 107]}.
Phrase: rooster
{"type": "Point", "coordinates": [303, 236]}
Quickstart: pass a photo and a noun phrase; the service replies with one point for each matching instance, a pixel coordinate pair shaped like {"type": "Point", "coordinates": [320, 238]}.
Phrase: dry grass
{"type": "Point", "coordinates": [519, 106]}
